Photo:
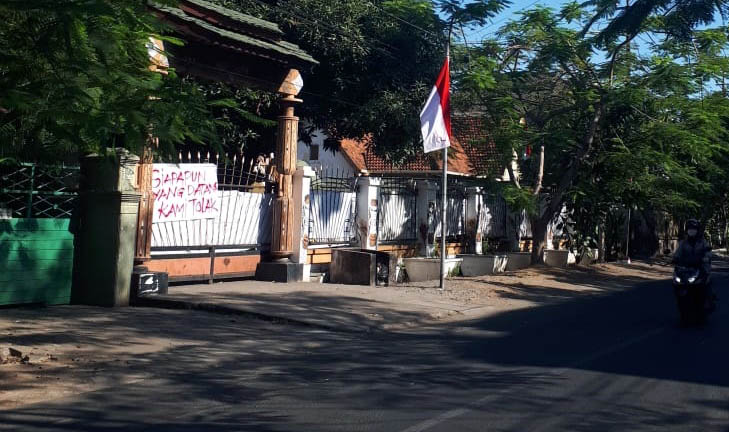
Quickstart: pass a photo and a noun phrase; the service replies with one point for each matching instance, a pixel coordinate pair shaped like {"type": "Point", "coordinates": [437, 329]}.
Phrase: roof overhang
{"type": "Point", "coordinates": [225, 45]}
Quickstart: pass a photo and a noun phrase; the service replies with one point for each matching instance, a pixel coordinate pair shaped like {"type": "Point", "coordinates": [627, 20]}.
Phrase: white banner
{"type": "Point", "coordinates": [185, 192]}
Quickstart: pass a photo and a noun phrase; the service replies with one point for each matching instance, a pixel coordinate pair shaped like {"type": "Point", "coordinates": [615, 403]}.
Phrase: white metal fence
{"type": "Point", "coordinates": [493, 217]}
{"type": "Point", "coordinates": [243, 203]}
{"type": "Point", "coordinates": [244, 221]}
{"type": "Point", "coordinates": [397, 206]}
{"type": "Point", "coordinates": [332, 208]}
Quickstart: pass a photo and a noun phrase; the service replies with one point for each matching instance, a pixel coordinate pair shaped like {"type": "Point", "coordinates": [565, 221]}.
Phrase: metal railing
{"type": "Point", "coordinates": [456, 224]}
{"type": "Point", "coordinates": [29, 190]}
{"type": "Point", "coordinates": [244, 198]}
{"type": "Point", "coordinates": [332, 207]}
{"type": "Point", "coordinates": [493, 216]}
{"type": "Point", "coordinates": [397, 207]}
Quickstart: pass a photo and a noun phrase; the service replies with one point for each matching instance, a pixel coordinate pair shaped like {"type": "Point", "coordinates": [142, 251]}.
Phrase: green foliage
{"type": "Point", "coordinates": [74, 78]}
{"type": "Point", "coordinates": [660, 136]}
{"type": "Point", "coordinates": [378, 62]}
{"type": "Point", "coordinates": [677, 18]}
{"type": "Point", "coordinates": [519, 199]}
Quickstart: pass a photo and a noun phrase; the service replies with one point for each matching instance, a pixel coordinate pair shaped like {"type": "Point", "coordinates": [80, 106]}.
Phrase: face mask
{"type": "Point", "coordinates": [692, 232]}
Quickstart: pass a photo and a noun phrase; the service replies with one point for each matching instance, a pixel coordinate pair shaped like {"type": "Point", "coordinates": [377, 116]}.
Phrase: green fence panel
{"type": "Point", "coordinates": [36, 261]}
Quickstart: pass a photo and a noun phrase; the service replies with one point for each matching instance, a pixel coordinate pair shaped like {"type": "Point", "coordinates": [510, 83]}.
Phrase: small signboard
{"type": "Point", "coordinates": [185, 192]}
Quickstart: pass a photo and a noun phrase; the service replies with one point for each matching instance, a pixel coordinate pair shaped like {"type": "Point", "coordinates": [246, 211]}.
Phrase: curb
{"type": "Point", "coordinates": [160, 301]}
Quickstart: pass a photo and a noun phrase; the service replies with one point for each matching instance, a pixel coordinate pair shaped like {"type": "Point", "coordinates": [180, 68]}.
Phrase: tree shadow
{"type": "Point", "coordinates": [614, 361]}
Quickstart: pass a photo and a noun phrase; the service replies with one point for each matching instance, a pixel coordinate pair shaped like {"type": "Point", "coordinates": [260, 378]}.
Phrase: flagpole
{"type": "Point", "coordinates": [444, 206]}
{"type": "Point", "coordinates": [444, 246]}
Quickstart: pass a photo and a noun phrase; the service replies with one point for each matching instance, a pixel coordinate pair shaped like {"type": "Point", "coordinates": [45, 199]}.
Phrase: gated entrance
{"type": "Point", "coordinates": [456, 223]}
{"type": "Point", "coordinates": [225, 235]}
{"type": "Point", "coordinates": [332, 208]}
{"type": "Point", "coordinates": [36, 243]}
{"type": "Point", "coordinates": [396, 212]}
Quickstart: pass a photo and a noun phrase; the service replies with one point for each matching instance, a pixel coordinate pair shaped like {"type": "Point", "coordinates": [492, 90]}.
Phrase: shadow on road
{"type": "Point", "coordinates": [615, 361]}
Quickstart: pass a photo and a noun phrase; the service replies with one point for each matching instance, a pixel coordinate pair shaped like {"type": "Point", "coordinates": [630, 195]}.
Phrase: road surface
{"type": "Point", "coordinates": [618, 362]}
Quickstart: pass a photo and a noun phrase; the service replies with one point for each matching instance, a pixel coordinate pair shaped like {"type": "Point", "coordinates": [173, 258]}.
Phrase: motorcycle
{"type": "Point", "coordinates": [691, 288]}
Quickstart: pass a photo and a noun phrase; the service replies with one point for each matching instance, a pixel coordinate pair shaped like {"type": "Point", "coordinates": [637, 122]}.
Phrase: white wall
{"type": "Point", "coordinates": [328, 161]}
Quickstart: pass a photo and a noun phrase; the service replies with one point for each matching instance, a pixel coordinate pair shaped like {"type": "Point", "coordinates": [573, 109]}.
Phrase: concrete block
{"type": "Point", "coordinates": [518, 260]}
{"type": "Point", "coordinates": [425, 269]}
{"type": "Point", "coordinates": [285, 271]}
{"type": "Point", "coordinates": [558, 258]}
{"type": "Point", "coordinates": [478, 265]}
{"type": "Point", "coordinates": [353, 267]}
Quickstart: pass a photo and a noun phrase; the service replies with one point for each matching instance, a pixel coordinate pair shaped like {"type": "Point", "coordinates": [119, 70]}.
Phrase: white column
{"type": "Point", "coordinates": [302, 186]}
{"type": "Point", "coordinates": [367, 195]}
{"type": "Point", "coordinates": [423, 218]}
{"type": "Point", "coordinates": [474, 203]}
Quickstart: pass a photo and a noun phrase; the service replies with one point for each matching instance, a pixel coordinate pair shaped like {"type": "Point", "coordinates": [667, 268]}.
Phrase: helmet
{"type": "Point", "coordinates": [692, 228]}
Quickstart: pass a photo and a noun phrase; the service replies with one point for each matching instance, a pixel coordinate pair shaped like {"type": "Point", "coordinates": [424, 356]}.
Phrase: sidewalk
{"type": "Point", "coordinates": [362, 308]}
{"type": "Point", "coordinates": [76, 349]}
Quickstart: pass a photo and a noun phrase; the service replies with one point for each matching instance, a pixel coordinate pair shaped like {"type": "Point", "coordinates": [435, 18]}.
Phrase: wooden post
{"type": "Point", "coordinates": [282, 240]}
{"type": "Point", "coordinates": [142, 252]}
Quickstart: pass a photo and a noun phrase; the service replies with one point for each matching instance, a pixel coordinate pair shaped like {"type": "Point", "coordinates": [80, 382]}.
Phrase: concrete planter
{"type": "Point", "coordinates": [558, 258]}
{"type": "Point", "coordinates": [518, 260]}
{"type": "Point", "coordinates": [477, 265]}
{"type": "Point", "coordinates": [590, 256]}
{"type": "Point", "coordinates": [424, 269]}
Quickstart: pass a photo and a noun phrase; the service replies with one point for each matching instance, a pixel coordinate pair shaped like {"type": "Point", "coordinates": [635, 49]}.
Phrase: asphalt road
{"type": "Point", "coordinates": [613, 363]}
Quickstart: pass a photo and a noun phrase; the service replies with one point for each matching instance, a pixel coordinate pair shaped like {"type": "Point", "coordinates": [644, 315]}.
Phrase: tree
{"type": "Point", "coordinates": [541, 89]}
{"type": "Point", "coordinates": [74, 78]}
{"type": "Point", "coordinates": [378, 61]}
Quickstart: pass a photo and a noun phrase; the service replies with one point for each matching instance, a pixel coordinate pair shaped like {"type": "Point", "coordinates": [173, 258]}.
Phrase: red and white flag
{"type": "Point", "coordinates": [435, 119]}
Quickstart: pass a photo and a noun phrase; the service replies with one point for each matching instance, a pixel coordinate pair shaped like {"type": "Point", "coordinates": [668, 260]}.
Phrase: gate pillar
{"type": "Point", "coordinates": [367, 211]}
{"type": "Point", "coordinates": [302, 201]}
{"type": "Point", "coordinates": [474, 206]}
{"type": "Point", "coordinates": [282, 244]}
{"type": "Point", "coordinates": [281, 268]}
{"type": "Point", "coordinates": [107, 229]}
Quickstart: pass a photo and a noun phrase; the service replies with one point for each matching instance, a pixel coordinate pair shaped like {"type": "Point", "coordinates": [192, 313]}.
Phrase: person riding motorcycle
{"type": "Point", "coordinates": [695, 252]}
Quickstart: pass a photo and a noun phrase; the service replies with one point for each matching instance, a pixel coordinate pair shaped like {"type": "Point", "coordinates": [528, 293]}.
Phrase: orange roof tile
{"type": "Point", "coordinates": [472, 152]}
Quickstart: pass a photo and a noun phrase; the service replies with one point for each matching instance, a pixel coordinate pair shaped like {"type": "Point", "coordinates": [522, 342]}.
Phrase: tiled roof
{"type": "Point", "coordinates": [207, 20]}
{"type": "Point", "coordinates": [480, 156]}
{"type": "Point", "coordinates": [239, 21]}
{"type": "Point", "coordinates": [472, 152]}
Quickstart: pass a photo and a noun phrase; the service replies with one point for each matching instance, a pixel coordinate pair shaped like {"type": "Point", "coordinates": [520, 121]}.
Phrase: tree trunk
{"type": "Point", "coordinates": [539, 239]}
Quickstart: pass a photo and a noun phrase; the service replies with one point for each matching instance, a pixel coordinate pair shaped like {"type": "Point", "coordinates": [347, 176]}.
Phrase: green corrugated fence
{"type": "Point", "coordinates": [36, 261]}
{"type": "Point", "coordinates": [36, 246]}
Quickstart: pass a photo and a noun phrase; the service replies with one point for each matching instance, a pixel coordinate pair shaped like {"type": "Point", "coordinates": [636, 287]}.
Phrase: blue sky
{"type": "Point", "coordinates": [508, 14]}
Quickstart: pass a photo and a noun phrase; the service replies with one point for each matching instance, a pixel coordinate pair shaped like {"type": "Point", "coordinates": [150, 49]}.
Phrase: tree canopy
{"type": "Point", "coordinates": [597, 107]}
{"type": "Point", "coordinates": [74, 78]}
{"type": "Point", "coordinates": [608, 130]}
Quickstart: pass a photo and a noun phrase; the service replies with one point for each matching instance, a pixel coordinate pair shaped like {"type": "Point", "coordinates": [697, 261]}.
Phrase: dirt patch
{"type": "Point", "coordinates": [541, 284]}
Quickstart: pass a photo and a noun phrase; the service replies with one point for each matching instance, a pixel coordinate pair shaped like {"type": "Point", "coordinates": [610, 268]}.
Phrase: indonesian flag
{"type": "Point", "coordinates": [435, 119]}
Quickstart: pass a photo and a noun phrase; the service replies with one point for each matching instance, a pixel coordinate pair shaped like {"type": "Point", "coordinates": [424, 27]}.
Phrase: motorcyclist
{"type": "Point", "coordinates": [695, 252]}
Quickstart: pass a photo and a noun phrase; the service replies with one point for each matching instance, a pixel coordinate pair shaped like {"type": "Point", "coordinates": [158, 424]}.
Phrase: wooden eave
{"type": "Point", "coordinates": [201, 31]}
{"type": "Point", "coordinates": [231, 20]}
